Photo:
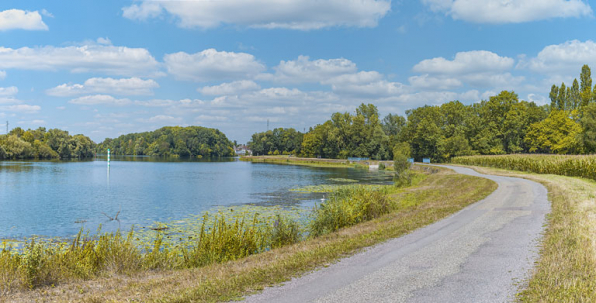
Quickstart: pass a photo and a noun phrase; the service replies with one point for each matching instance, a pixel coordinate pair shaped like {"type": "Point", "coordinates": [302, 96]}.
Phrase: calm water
{"type": "Point", "coordinates": [53, 198]}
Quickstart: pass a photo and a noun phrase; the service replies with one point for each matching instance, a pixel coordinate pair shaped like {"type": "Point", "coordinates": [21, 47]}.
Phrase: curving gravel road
{"type": "Point", "coordinates": [480, 254]}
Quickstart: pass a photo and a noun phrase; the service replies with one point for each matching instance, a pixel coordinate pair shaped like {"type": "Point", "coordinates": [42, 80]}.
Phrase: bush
{"type": "Point", "coordinates": [348, 206]}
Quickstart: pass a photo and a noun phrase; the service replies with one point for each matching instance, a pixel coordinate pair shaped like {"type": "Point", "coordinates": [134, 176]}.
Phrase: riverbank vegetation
{"type": "Point", "coordinates": [176, 141]}
{"type": "Point", "coordinates": [44, 144]}
{"type": "Point", "coordinates": [566, 270]}
{"type": "Point", "coordinates": [503, 124]}
{"type": "Point", "coordinates": [118, 270]}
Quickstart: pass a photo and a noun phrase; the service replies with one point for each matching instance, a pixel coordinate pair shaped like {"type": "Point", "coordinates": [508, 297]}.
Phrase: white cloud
{"type": "Point", "coordinates": [287, 14]}
{"type": "Point", "coordinates": [100, 100]}
{"type": "Point", "coordinates": [232, 88]}
{"type": "Point", "coordinates": [211, 118]}
{"type": "Point", "coordinates": [427, 82]}
{"type": "Point", "coordinates": [477, 68]}
{"type": "Point", "coordinates": [354, 78]}
{"type": "Point", "coordinates": [433, 98]}
{"type": "Point", "coordinates": [211, 65]}
{"type": "Point", "coordinates": [170, 103]}
{"type": "Point", "coordinates": [8, 91]}
{"type": "Point", "coordinates": [130, 86]}
{"type": "Point", "coordinates": [21, 108]}
{"type": "Point", "coordinates": [46, 13]}
{"type": "Point", "coordinates": [376, 89]}
{"type": "Point", "coordinates": [275, 96]}
{"type": "Point", "coordinates": [567, 57]}
{"type": "Point", "coordinates": [2, 75]}
{"type": "Point", "coordinates": [161, 119]}
{"type": "Point", "coordinates": [19, 19]}
{"type": "Point", "coordinates": [509, 11]}
{"type": "Point", "coordinates": [464, 63]}
{"type": "Point", "coordinates": [538, 99]}
{"type": "Point", "coordinates": [304, 70]}
{"type": "Point", "coordinates": [105, 59]}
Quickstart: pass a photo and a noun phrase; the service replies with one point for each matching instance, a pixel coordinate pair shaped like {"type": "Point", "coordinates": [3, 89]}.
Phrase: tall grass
{"type": "Point", "coordinates": [350, 205]}
{"type": "Point", "coordinates": [565, 165]}
{"type": "Point", "coordinates": [44, 262]}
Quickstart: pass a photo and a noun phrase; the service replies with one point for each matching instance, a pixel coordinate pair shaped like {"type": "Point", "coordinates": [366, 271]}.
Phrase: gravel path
{"type": "Point", "coordinates": [480, 254]}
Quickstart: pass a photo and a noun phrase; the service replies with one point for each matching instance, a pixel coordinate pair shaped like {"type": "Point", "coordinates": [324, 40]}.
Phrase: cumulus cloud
{"type": "Point", "coordinates": [465, 62]}
{"type": "Point", "coordinates": [567, 57]}
{"type": "Point", "coordinates": [19, 19]}
{"type": "Point", "coordinates": [2, 75]}
{"type": "Point", "coordinates": [427, 82]}
{"type": "Point", "coordinates": [161, 119]}
{"type": "Point", "coordinates": [8, 91]}
{"type": "Point", "coordinates": [130, 86]}
{"type": "Point", "coordinates": [375, 89]}
{"type": "Point", "coordinates": [478, 68]}
{"type": "Point", "coordinates": [170, 103]}
{"type": "Point", "coordinates": [518, 11]}
{"type": "Point", "coordinates": [270, 14]}
{"type": "Point", "coordinates": [21, 108]}
{"type": "Point", "coordinates": [211, 65]}
{"type": "Point", "coordinates": [232, 88]}
{"type": "Point", "coordinates": [105, 59]}
{"type": "Point", "coordinates": [100, 100]}
{"type": "Point", "coordinates": [275, 96]}
{"type": "Point", "coordinates": [304, 70]}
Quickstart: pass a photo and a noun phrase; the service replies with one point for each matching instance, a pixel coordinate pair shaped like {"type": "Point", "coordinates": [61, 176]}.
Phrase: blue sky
{"type": "Point", "coordinates": [106, 68]}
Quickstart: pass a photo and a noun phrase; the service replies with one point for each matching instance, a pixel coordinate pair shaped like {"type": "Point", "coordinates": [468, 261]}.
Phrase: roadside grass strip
{"type": "Point", "coordinates": [566, 269]}
{"type": "Point", "coordinates": [391, 213]}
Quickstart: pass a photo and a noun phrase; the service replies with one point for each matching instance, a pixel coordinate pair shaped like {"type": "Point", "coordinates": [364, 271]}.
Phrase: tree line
{"type": "Point", "coordinates": [44, 144]}
{"type": "Point", "coordinates": [191, 141]}
{"type": "Point", "coordinates": [503, 124]}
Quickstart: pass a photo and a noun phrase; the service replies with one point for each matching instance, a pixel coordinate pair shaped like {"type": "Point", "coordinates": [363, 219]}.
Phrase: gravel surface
{"type": "Point", "coordinates": [480, 254]}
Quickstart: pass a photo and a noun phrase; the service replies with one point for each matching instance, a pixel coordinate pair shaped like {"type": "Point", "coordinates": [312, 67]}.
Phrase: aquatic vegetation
{"type": "Point", "coordinates": [327, 188]}
{"type": "Point", "coordinates": [343, 180]}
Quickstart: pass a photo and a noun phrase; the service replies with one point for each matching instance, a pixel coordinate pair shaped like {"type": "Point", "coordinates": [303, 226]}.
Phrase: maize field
{"type": "Point", "coordinates": [583, 166]}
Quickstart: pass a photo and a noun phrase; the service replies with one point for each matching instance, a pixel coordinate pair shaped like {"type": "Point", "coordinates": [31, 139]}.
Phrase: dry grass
{"type": "Point", "coordinates": [231, 280]}
{"type": "Point", "coordinates": [566, 270]}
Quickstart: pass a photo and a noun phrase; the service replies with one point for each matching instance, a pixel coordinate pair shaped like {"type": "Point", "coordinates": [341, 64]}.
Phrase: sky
{"type": "Point", "coordinates": [112, 67]}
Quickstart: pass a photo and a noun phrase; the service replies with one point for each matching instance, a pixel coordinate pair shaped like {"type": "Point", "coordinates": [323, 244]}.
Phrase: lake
{"type": "Point", "coordinates": [56, 198]}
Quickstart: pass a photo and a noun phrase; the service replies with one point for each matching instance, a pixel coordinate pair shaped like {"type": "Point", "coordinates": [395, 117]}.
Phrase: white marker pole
{"type": "Point", "coordinates": [108, 157]}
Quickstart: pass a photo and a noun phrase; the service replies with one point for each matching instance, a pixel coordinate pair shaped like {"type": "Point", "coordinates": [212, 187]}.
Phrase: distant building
{"type": "Point", "coordinates": [243, 150]}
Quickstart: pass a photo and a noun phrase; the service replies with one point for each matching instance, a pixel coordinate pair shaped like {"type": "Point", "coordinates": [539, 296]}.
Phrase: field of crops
{"type": "Point", "coordinates": [565, 165]}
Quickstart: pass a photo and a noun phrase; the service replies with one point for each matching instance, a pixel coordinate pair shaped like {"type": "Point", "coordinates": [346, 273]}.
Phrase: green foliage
{"type": "Point", "coordinates": [192, 141]}
{"type": "Point", "coordinates": [286, 141]}
{"type": "Point", "coordinates": [346, 135]}
{"type": "Point", "coordinates": [559, 133]}
{"type": "Point", "coordinates": [588, 125]}
{"type": "Point", "coordinates": [42, 144]}
{"type": "Point", "coordinates": [348, 206]}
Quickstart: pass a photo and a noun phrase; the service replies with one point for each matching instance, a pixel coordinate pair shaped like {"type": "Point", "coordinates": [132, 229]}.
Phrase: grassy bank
{"type": "Point", "coordinates": [313, 162]}
{"type": "Point", "coordinates": [394, 213]}
{"type": "Point", "coordinates": [566, 270]}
